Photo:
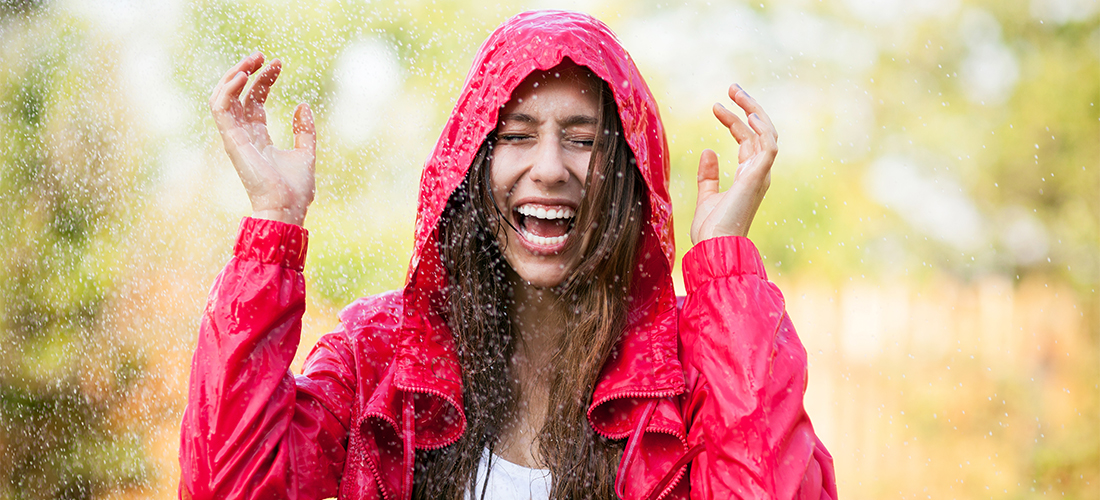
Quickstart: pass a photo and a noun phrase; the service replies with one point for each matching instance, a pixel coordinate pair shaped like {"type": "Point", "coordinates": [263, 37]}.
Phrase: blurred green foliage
{"type": "Point", "coordinates": [68, 181]}
{"type": "Point", "coordinates": [353, 259]}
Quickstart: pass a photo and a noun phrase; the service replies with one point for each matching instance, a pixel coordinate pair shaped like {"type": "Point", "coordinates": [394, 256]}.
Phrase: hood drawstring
{"type": "Point", "coordinates": [632, 450]}
{"type": "Point", "coordinates": [408, 422]}
{"type": "Point", "coordinates": [632, 447]}
{"type": "Point", "coordinates": [675, 470]}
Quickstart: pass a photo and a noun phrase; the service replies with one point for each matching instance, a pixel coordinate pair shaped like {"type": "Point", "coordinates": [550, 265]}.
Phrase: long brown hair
{"type": "Point", "coordinates": [593, 304]}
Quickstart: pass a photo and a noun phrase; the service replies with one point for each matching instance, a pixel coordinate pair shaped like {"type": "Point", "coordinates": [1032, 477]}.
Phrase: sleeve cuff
{"type": "Point", "coordinates": [719, 258]}
{"type": "Point", "coordinates": [272, 242]}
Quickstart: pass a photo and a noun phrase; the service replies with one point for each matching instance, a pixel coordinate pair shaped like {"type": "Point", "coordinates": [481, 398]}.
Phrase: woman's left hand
{"type": "Point", "coordinates": [730, 213]}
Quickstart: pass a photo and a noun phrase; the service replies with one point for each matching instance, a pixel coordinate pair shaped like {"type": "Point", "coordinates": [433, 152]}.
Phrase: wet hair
{"type": "Point", "coordinates": [594, 301]}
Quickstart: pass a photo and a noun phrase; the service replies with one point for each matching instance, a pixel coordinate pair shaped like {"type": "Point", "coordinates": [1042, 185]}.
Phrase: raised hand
{"type": "Point", "coordinates": [730, 213]}
{"type": "Point", "coordinates": [280, 183]}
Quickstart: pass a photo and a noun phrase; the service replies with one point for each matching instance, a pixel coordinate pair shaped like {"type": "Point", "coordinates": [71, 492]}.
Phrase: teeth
{"type": "Point", "coordinates": [543, 240]}
{"type": "Point", "coordinates": [542, 213]}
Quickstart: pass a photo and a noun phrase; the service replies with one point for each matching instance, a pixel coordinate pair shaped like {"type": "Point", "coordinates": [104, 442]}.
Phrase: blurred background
{"type": "Point", "coordinates": [932, 220]}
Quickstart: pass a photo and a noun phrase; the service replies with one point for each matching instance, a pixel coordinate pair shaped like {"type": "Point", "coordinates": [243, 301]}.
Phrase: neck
{"type": "Point", "coordinates": [537, 323]}
{"type": "Point", "coordinates": [536, 319]}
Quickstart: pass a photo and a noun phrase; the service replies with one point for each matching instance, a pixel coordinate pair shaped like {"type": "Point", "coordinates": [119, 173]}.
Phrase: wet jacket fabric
{"type": "Point", "coordinates": [707, 390]}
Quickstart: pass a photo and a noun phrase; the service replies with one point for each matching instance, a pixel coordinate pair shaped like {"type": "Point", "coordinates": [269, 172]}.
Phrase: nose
{"type": "Point", "coordinates": [548, 165]}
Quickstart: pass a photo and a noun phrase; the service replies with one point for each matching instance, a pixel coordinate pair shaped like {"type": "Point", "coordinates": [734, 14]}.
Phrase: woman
{"type": "Point", "coordinates": [537, 332]}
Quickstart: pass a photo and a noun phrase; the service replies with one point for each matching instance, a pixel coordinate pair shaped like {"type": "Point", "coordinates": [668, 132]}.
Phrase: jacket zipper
{"type": "Point", "coordinates": [633, 394]}
{"type": "Point", "coordinates": [444, 397]}
{"type": "Point", "coordinates": [668, 482]}
{"type": "Point", "coordinates": [656, 396]}
{"type": "Point", "coordinates": [386, 495]}
{"type": "Point", "coordinates": [407, 428]}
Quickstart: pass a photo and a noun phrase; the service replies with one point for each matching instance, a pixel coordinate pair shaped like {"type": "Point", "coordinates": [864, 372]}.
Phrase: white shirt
{"type": "Point", "coordinates": [509, 481]}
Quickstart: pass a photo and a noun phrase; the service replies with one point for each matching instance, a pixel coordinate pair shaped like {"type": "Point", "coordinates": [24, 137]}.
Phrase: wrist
{"type": "Point", "coordinates": [737, 229]}
{"type": "Point", "coordinates": [289, 216]}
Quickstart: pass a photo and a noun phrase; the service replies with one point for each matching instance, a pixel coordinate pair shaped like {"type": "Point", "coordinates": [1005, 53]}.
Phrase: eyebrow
{"type": "Point", "coordinates": [568, 122]}
{"type": "Point", "coordinates": [579, 120]}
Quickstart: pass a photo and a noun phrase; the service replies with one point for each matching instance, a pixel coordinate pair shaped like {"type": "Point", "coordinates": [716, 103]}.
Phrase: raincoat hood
{"type": "Point", "coordinates": [529, 42]}
{"type": "Point", "coordinates": [644, 363]}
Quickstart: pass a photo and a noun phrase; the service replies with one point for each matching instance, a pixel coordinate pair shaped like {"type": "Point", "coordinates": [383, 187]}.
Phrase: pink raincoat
{"type": "Point", "coordinates": [707, 391]}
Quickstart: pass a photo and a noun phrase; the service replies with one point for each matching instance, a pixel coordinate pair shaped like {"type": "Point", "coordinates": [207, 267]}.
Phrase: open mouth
{"type": "Point", "coordinates": [542, 225]}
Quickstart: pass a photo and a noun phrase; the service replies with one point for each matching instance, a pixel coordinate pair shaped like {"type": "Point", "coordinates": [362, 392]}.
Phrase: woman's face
{"type": "Point", "coordinates": [538, 171]}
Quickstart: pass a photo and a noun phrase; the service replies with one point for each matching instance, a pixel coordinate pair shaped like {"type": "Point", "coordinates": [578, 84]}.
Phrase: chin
{"type": "Point", "coordinates": [540, 270]}
{"type": "Point", "coordinates": [542, 278]}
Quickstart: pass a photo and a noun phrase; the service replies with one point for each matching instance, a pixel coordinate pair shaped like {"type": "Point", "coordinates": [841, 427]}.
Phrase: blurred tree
{"type": "Point", "coordinates": [67, 184]}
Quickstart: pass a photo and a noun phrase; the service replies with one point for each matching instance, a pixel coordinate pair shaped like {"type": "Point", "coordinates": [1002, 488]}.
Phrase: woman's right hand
{"type": "Point", "coordinates": [280, 183]}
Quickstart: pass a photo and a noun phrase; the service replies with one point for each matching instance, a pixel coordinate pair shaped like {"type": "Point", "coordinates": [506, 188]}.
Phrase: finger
{"type": "Point", "coordinates": [740, 131]}
{"type": "Point", "coordinates": [233, 82]}
{"type": "Point", "coordinates": [248, 64]}
{"type": "Point", "coordinates": [766, 133]}
{"type": "Point", "coordinates": [305, 132]}
{"type": "Point", "coordinates": [257, 95]}
{"type": "Point", "coordinates": [224, 99]}
{"type": "Point", "coordinates": [749, 104]}
{"type": "Point", "coordinates": [708, 175]}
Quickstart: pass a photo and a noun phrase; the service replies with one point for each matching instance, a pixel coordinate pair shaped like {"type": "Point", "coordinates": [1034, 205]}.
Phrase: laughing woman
{"type": "Point", "coordinates": [537, 349]}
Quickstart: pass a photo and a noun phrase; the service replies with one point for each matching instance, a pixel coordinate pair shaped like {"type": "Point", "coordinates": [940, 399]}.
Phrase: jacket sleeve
{"type": "Point", "coordinates": [746, 375]}
{"type": "Point", "coordinates": [251, 429]}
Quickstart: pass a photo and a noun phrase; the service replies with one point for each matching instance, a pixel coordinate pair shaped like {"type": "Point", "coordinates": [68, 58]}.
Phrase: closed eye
{"type": "Point", "coordinates": [582, 141]}
{"type": "Point", "coordinates": [513, 138]}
